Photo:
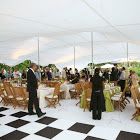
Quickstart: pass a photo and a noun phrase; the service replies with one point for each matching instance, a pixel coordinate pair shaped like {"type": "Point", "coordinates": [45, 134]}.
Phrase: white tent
{"type": "Point", "coordinates": [63, 24]}
{"type": "Point", "coordinates": [107, 66]}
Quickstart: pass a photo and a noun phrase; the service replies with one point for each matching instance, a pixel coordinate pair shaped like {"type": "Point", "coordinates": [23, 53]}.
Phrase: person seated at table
{"type": "Point", "coordinates": [24, 76]}
{"type": "Point", "coordinates": [48, 73]}
{"type": "Point", "coordinates": [83, 78]}
{"type": "Point", "coordinates": [68, 75]}
{"type": "Point", "coordinates": [9, 74]}
{"type": "Point", "coordinates": [2, 74]}
{"type": "Point", "coordinates": [97, 104]}
{"type": "Point", "coordinates": [16, 74]}
{"type": "Point", "coordinates": [90, 77]}
{"type": "Point", "coordinates": [76, 77]}
{"type": "Point", "coordinates": [77, 73]}
{"type": "Point", "coordinates": [106, 74]}
{"type": "Point", "coordinates": [43, 74]}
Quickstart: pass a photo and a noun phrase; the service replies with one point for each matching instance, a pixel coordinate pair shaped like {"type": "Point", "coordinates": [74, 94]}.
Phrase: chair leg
{"type": "Point", "coordinates": [128, 100]}
{"type": "Point", "coordinates": [84, 109]}
{"type": "Point", "coordinates": [77, 103]}
{"type": "Point", "coordinates": [119, 104]}
{"type": "Point", "coordinates": [134, 116]}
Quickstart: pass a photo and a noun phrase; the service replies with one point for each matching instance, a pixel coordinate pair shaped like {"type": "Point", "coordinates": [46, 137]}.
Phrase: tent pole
{"type": "Point", "coordinates": [74, 58]}
{"type": "Point", "coordinates": [92, 52]}
{"type": "Point", "coordinates": [38, 41]}
{"type": "Point", "coordinates": [127, 55]}
{"type": "Point", "coordinates": [38, 52]}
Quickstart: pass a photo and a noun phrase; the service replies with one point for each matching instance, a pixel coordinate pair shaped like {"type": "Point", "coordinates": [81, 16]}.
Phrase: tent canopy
{"type": "Point", "coordinates": [63, 24]}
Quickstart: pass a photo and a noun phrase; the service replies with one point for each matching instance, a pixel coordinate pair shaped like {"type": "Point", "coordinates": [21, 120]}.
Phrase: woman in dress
{"type": "Point", "coordinates": [97, 104]}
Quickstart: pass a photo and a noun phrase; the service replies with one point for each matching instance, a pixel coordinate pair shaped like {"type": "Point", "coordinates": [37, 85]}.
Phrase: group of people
{"type": "Point", "coordinates": [9, 74]}
{"type": "Point", "coordinates": [120, 75]}
{"type": "Point", "coordinates": [115, 75]}
{"type": "Point", "coordinates": [75, 76]}
{"type": "Point", "coordinates": [97, 105]}
{"type": "Point", "coordinates": [15, 74]}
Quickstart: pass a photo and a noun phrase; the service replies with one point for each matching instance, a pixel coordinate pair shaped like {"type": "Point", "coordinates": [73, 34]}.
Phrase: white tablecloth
{"type": "Point", "coordinates": [66, 87]}
{"type": "Point", "coordinates": [42, 92]}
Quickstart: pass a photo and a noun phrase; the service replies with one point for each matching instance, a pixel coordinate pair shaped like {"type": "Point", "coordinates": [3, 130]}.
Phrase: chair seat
{"type": "Point", "coordinates": [115, 98]}
{"type": "Point", "coordinates": [10, 97]}
{"type": "Point", "coordinates": [20, 98]}
{"type": "Point", "coordinates": [117, 95]}
{"type": "Point", "coordinates": [72, 90]}
{"type": "Point", "coordinates": [51, 96]}
{"type": "Point", "coordinates": [88, 99]}
{"type": "Point", "coordinates": [138, 105]}
{"type": "Point", "coordinates": [61, 91]}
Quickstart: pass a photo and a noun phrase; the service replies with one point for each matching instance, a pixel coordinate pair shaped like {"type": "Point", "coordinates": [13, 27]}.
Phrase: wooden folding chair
{"type": "Point", "coordinates": [137, 92]}
{"type": "Point", "coordinates": [20, 96]}
{"type": "Point", "coordinates": [26, 94]}
{"type": "Point", "coordinates": [120, 100]}
{"type": "Point", "coordinates": [23, 81]}
{"type": "Point", "coordinates": [87, 98]}
{"type": "Point", "coordinates": [10, 94]}
{"type": "Point", "coordinates": [75, 93]}
{"type": "Point", "coordinates": [136, 102]}
{"type": "Point", "coordinates": [86, 85]}
{"type": "Point", "coordinates": [78, 92]}
{"type": "Point", "coordinates": [54, 98]}
{"type": "Point", "coordinates": [4, 99]}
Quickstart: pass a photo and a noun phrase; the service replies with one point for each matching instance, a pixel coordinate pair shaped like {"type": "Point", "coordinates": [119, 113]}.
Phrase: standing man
{"type": "Point", "coordinates": [122, 79]}
{"type": "Point", "coordinates": [32, 86]}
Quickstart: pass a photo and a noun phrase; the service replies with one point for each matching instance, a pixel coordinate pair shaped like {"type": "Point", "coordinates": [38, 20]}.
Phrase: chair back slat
{"type": "Point", "coordinates": [78, 87]}
{"type": "Point", "coordinates": [57, 89]}
{"type": "Point", "coordinates": [134, 95]}
{"type": "Point", "coordinates": [8, 89]}
{"type": "Point", "coordinates": [18, 92]}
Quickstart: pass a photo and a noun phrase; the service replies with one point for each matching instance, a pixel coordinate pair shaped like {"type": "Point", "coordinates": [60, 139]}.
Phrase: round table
{"type": "Point", "coordinates": [42, 92]}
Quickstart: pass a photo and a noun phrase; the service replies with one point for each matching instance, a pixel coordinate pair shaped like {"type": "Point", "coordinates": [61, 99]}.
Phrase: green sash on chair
{"type": "Point", "coordinates": [108, 103]}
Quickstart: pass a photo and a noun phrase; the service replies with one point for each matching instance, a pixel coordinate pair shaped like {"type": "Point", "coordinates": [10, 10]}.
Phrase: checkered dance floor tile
{"type": "Point", "coordinates": [17, 125]}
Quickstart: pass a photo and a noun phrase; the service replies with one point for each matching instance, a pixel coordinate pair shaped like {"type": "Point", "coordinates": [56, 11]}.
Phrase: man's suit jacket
{"type": "Point", "coordinates": [32, 83]}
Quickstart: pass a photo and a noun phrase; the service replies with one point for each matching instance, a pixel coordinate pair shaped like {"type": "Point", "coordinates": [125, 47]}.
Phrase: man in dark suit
{"type": "Point", "coordinates": [32, 86]}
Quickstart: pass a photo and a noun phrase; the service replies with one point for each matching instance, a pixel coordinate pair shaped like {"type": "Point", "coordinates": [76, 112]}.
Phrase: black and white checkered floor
{"type": "Point", "coordinates": [67, 122]}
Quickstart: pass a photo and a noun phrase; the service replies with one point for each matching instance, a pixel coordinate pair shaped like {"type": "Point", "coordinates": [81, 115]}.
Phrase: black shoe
{"type": "Point", "coordinates": [99, 118]}
{"type": "Point", "coordinates": [33, 113]}
{"type": "Point", "coordinates": [94, 118]}
{"type": "Point", "coordinates": [41, 114]}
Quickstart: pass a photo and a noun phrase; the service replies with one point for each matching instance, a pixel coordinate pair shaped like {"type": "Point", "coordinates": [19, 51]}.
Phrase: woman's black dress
{"type": "Point", "coordinates": [97, 104]}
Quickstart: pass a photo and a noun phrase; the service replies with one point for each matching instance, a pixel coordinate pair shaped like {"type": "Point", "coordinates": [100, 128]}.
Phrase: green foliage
{"type": "Point", "coordinates": [53, 67]}
{"type": "Point", "coordinates": [6, 67]}
{"type": "Point", "coordinates": [136, 69]}
{"type": "Point", "coordinates": [22, 66]}
{"type": "Point", "coordinates": [135, 66]}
